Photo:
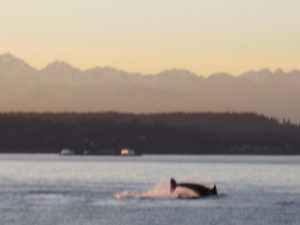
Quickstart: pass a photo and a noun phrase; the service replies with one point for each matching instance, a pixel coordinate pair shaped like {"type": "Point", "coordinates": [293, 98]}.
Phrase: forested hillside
{"type": "Point", "coordinates": [167, 133]}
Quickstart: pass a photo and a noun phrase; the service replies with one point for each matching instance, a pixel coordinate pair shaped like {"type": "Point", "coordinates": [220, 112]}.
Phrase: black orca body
{"type": "Point", "coordinates": [195, 190]}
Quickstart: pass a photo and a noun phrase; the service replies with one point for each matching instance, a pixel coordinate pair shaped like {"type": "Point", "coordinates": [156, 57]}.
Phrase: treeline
{"type": "Point", "coordinates": [167, 133]}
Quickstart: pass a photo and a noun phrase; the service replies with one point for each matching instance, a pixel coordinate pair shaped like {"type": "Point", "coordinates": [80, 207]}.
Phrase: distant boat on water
{"type": "Point", "coordinates": [66, 151]}
{"type": "Point", "coordinates": [128, 152]}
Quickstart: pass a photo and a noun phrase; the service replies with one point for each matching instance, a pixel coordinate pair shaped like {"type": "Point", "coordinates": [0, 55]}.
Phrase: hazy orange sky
{"type": "Point", "coordinates": [149, 36]}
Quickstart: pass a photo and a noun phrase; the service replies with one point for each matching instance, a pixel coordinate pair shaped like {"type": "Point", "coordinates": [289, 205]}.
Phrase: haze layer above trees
{"type": "Point", "coordinates": [60, 87]}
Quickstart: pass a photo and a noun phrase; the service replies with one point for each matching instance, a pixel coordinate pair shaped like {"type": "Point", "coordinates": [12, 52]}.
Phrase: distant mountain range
{"type": "Point", "coordinates": [61, 87]}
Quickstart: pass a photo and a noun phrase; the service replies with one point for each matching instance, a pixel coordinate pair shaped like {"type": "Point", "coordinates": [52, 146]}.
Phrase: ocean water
{"type": "Point", "coordinates": [84, 190]}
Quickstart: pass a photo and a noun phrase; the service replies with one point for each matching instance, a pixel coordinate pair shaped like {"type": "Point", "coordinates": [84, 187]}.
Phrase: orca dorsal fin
{"type": "Point", "coordinates": [173, 185]}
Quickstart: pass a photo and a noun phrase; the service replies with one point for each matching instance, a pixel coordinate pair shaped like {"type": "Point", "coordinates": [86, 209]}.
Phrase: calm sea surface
{"type": "Point", "coordinates": [71, 190]}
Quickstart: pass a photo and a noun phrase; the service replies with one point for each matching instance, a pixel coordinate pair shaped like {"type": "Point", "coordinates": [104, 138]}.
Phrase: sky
{"type": "Point", "coordinates": [150, 36]}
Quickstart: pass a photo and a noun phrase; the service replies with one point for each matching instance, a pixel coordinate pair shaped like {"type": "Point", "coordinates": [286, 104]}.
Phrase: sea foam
{"type": "Point", "coordinates": [160, 190]}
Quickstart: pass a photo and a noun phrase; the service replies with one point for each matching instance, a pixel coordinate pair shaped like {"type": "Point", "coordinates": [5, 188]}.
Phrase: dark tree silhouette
{"type": "Point", "coordinates": [166, 133]}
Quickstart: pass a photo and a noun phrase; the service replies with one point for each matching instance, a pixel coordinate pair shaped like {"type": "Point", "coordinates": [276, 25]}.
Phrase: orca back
{"type": "Point", "coordinates": [197, 188]}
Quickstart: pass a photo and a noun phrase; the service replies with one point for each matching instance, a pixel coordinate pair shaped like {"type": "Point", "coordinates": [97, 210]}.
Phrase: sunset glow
{"type": "Point", "coordinates": [150, 36]}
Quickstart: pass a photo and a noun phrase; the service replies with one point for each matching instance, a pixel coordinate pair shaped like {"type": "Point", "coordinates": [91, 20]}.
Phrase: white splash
{"type": "Point", "coordinates": [160, 190]}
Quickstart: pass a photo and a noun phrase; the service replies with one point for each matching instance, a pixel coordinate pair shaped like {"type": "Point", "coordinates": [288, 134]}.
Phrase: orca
{"type": "Point", "coordinates": [191, 190]}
